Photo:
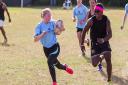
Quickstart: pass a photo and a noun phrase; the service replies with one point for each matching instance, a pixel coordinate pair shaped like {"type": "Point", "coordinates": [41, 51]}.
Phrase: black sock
{"type": "Point", "coordinates": [60, 66]}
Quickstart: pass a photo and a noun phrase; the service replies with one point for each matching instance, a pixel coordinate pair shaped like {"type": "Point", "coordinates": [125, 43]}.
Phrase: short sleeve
{"type": "Point", "coordinates": [37, 30]}
{"type": "Point", "coordinates": [126, 8]}
{"type": "Point", "coordinates": [74, 13]}
{"type": "Point", "coordinates": [85, 10]}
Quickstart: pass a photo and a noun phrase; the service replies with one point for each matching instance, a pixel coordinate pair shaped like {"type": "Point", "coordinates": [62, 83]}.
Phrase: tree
{"type": "Point", "coordinates": [123, 2]}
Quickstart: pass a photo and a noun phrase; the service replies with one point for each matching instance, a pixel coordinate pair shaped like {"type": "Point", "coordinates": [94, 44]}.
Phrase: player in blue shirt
{"type": "Point", "coordinates": [125, 16]}
{"type": "Point", "coordinates": [45, 33]}
{"type": "Point", "coordinates": [80, 14]}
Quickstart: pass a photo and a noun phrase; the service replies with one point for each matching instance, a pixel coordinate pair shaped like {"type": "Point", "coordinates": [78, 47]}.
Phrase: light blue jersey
{"type": "Point", "coordinates": [80, 13]}
{"type": "Point", "coordinates": [50, 38]}
{"type": "Point", "coordinates": [126, 8]}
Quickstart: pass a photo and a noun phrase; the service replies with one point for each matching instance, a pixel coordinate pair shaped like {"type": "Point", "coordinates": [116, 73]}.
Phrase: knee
{"type": "Point", "coordinates": [95, 61]}
{"type": "Point", "coordinates": [49, 63]}
{"type": "Point", "coordinates": [3, 32]}
{"type": "Point", "coordinates": [94, 64]}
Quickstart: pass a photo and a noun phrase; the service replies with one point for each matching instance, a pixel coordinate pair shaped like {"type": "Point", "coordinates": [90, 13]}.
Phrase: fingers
{"type": "Point", "coordinates": [100, 40]}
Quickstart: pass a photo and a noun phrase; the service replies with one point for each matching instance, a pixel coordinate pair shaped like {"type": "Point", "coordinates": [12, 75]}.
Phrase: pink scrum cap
{"type": "Point", "coordinates": [99, 8]}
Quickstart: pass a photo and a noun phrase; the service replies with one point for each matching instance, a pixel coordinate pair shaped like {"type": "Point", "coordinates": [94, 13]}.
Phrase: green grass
{"type": "Point", "coordinates": [23, 62]}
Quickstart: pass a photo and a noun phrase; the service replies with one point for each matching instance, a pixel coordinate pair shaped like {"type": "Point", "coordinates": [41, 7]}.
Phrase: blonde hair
{"type": "Point", "coordinates": [45, 11]}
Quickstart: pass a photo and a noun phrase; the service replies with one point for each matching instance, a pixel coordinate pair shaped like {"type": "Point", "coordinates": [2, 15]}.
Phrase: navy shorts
{"type": "Point", "coordinates": [97, 48]}
{"type": "Point", "coordinates": [52, 51]}
{"type": "Point", "coordinates": [79, 29]}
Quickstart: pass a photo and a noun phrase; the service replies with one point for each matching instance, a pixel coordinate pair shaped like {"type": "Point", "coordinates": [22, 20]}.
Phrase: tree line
{"type": "Point", "coordinates": [60, 2]}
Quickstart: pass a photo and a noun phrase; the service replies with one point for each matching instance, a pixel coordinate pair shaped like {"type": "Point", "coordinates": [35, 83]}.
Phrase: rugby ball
{"type": "Point", "coordinates": [59, 27]}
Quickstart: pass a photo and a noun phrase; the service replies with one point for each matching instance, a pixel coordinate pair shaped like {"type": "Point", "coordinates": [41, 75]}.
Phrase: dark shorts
{"type": "Point", "coordinates": [79, 29]}
{"type": "Point", "coordinates": [99, 48]}
{"type": "Point", "coordinates": [52, 51]}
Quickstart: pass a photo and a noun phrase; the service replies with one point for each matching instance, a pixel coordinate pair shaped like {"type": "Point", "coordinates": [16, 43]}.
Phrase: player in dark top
{"type": "Point", "coordinates": [3, 8]}
{"type": "Point", "coordinates": [90, 13]}
{"type": "Point", "coordinates": [100, 34]}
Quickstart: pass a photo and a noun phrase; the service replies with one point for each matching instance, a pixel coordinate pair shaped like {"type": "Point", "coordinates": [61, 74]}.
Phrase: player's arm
{"type": "Point", "coordinates": [88, 25]}
{"type": "Point", "coordinates": [109, 31]}
{"type": "Point", "coordinates": [87, 16]}
{"type": "Point", "coordinates": [109, 34]}
{"type": "Point", "coordinates": [5, 7]}
{"type": "Point", "coordinates": [74, 17]}
{"type": "Point", "coordinates": [38, 33]}
{"type": "Point", "coordinates": [125, 16]}
{"type": "Point", "coordinates": [38, 37]}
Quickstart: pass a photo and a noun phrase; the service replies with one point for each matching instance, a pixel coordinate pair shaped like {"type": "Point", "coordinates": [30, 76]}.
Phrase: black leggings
{"type": "Point", "coordinates": [52, 54]}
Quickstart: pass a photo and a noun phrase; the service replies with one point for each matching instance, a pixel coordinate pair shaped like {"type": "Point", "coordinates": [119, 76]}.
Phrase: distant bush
{"type": "Point", "coordinates": [116, 3]}
{"type": "Point", "coordinates": [40, 2]}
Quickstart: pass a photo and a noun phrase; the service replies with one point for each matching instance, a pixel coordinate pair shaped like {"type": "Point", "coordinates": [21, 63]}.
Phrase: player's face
{"type": "Point", "coordinates": [92, 3]}
{"type": "Point", "coordinates": [79, 1]}
{"type": "Point", "coordinates": [98, 13]}
{"type": "Point", "coordinates": [47, 17]}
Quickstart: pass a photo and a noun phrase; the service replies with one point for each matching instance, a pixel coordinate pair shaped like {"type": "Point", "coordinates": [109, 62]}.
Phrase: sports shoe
{"type": "Point", "coordinates": [54, 83]}
{"type": "Point", "coordinates": [5, 42]}
{"type": "Point", "coordinates": [99, 67]}
{"type": "Point", "coordinates": [110, 83]}
{"type": "Point", "coordinates": [68, 70]}
{"type": "Point", "coordinates": [83, 53]}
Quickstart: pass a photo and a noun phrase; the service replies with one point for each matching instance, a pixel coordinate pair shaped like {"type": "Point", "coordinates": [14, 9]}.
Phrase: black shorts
{"type": "Point", "coordinates": [79, 29]}
{"type": "Point", "coordinates": [52, 51]}
{"type": "Point", "coordinates": [99, 48]}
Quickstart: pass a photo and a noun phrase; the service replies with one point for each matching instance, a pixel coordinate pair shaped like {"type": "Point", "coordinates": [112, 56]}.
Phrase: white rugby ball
{"type": "Point", "coordinates": [59, 27]}
{"type": "Point", "coordinates": [59, 24]}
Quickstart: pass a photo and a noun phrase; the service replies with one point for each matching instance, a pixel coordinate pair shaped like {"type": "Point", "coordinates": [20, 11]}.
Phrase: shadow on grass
{"type": "Point", "coordinates": [115, 79]}
{"type": "Point", "coordinates": [6, 45]}
{"type": "Point", "coordinates": [87, 58]}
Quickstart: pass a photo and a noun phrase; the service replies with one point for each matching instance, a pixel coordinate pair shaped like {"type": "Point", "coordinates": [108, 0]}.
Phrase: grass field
{"type": "Point", "coordinates": [23, 62]}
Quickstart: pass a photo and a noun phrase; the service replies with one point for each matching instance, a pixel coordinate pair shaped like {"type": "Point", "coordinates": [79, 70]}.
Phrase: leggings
{"type": "Point", "coordinates": [52, 54]}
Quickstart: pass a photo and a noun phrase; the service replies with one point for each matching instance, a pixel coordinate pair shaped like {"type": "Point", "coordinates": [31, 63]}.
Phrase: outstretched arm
{"type": "Point", "coordinates": [125, 16]}
{"type": "Point", "coordinates": [88, 25]}
{"type": "Point", "coordinates": [5, 7]}
{"type": "Point", "coordinates": [74, 17]}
